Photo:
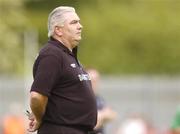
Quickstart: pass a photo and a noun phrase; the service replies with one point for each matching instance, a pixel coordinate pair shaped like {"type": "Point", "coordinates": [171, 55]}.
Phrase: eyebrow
{"type": "Point", "coordinates": [74, 21]}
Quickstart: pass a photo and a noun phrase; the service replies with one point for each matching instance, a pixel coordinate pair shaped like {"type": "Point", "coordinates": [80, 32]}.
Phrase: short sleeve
{"type": "Point", "coordinates": [47, 74]}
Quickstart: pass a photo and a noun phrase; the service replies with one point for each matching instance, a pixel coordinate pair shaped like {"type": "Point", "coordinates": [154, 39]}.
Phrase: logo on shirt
{"type": "Point", "coordinates": [84, 77]}
{"type": "Point", "coordinates": [73, 65]}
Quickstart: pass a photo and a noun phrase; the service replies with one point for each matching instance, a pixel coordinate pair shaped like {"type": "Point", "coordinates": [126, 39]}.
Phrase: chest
{"type": "Point", "coordinates": [73, 72]}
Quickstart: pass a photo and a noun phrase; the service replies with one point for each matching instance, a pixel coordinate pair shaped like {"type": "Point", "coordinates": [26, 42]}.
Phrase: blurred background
{"type": "Point", "coordinates": [134, 44]}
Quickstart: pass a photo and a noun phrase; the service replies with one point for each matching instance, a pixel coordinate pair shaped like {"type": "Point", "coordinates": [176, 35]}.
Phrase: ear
{"type": "Point", "coordinates": [58, 31]}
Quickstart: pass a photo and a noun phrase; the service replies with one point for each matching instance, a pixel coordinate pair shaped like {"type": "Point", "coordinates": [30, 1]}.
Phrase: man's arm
{"type": "Point", "coordinates": [38, 104]}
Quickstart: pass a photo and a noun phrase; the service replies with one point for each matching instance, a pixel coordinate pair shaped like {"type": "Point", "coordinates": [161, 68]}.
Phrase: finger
{"type": "Point", "coordinates": [31, 118]}
{"type": "Point", "coordinates": [31, 130]}
{"type": "Point", "coordinates": [31, 124]}
{"type": "Point", "coordinates": [32, 127]}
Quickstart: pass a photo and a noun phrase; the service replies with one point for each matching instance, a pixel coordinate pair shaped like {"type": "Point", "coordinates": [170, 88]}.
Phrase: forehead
{"type": "Point", "coordinates": [70, 16]}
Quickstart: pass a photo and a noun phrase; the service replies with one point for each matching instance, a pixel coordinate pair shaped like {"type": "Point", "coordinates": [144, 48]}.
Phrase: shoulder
{"type": "Point", "coordinates": [50, 50]}
{"type": "Point", "coordinates": [49, 53]}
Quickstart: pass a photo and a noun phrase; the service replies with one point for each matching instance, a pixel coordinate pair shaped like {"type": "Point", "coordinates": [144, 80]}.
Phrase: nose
{"type": "Point", "coordinates": [80, 26]}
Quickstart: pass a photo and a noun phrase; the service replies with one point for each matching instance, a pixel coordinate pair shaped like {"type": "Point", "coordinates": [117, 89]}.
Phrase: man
{"type": "Point", "coordinates": [61, 99]}
{"type": "Point", "coordinates": [105, 113]}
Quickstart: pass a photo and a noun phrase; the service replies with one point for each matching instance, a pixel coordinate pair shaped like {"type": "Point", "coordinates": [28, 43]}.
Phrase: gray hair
{"type": "Point", "coordinates": [56, 18]}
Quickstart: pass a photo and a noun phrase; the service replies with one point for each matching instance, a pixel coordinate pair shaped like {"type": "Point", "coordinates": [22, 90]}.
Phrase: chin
{"type": "Point", "coordinates": [76, 42]}
{"type": "Point", "coordinates": [78, 39]}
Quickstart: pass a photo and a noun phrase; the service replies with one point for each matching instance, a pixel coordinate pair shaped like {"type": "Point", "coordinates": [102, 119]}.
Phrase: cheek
{"type": "Point", "coordinates": [67, 33]}
{"type": "Point", "coordinates": [71, 32]}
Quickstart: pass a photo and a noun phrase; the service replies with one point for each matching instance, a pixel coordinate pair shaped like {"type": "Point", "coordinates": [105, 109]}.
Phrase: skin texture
{"type": "Point", "coordinates": [69, 34]}
{"type": "Point", "coordinates": [38, 104]}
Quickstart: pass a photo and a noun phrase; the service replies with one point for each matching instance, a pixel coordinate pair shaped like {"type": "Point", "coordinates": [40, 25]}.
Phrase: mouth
{"type": "Point", "coordinates": [78, 33]}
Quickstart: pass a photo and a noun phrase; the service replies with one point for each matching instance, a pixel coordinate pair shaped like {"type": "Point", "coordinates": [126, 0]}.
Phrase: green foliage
{"type": "Point", "coordinates": [133, 38]}
{"type": "Point", "coordinates": [11, 25]}
{"type": "Point", "coordinates": [119, 36]}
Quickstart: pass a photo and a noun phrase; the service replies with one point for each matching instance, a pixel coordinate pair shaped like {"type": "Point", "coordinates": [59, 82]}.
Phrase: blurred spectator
{"type": "Point", "coordinates": [105, 113]}
{"type": "Point", "coordinates": [175, 126]}
{"type": "Point", "coordinates": [13, 122]}
{"type": "Point", "coordinates": [136, 124]}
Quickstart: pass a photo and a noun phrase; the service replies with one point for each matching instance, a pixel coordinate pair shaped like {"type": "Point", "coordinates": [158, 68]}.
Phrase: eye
{"type": "Point", "coordinates": [74, 22]}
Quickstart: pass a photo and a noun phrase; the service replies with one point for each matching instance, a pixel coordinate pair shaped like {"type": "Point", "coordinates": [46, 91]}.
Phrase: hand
{"type": "Point", "coordinates": [109, 114]}
{"type": "Point", "coordinates": [33, 124]}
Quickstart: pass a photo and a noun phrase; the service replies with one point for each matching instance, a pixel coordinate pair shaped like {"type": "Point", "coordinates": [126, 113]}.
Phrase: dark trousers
{"type": "Point", "coordinates": [48, 128]}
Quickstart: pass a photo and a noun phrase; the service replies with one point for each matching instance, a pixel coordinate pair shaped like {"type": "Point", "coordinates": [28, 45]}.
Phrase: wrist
{"type": "Point", "coordinates": [38, 119]}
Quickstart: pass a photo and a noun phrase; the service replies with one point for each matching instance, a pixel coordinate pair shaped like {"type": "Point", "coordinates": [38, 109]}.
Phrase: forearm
{"type": "Point", "coordinates": [100, 120]}
{"type": "Point", "coordinates": [38, 104]}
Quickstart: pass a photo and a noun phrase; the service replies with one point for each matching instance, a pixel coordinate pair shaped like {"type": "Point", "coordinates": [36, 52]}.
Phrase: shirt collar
{"type": "Point", "coordinates": [58, 44]}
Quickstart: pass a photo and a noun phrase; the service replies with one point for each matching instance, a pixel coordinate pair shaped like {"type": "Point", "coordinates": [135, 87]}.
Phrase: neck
{"type": "Point", "coordinates": [64, 42]}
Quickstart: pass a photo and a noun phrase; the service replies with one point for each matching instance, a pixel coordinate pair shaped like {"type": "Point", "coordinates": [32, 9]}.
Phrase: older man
{"type": "Point", "coordinates": [61, 97]}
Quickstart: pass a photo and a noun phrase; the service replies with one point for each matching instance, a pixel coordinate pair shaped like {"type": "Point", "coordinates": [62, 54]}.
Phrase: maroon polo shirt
{"type": "Point", "coordinates": [58, 75]}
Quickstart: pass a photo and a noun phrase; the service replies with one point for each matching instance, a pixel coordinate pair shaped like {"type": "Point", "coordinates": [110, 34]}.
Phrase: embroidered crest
{"type": "Point", "coordinates": [73, 65]}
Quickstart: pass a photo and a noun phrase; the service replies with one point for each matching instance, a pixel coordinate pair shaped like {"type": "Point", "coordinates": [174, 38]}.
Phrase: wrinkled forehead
{"type": "Point", "coordinates": [70, 16]}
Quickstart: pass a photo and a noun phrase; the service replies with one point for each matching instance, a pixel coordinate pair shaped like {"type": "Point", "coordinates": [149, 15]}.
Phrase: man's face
{"type": "Point", "coordinates": [71, 31]}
